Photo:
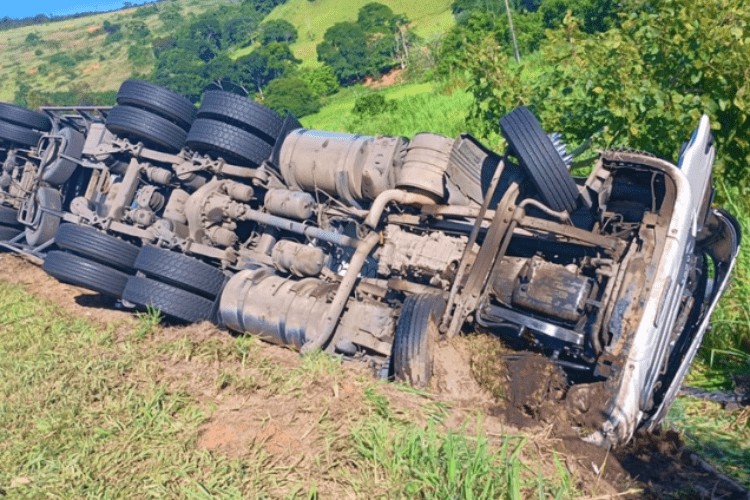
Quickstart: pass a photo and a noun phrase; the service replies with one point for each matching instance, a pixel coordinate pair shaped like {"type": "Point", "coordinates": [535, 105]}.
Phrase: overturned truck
{"type": "Point", "coordinates": [377, 248]}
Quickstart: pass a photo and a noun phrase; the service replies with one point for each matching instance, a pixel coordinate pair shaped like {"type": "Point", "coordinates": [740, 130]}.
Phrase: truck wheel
{"type": "Point", "coordinates": [8, 233]}
{"type": "Point", "coordinates": [221, 140]}
{"type": "Point", "coordinates": [416, 334]}
{"type": "Point", "coordinates": [24, 117]}
{"type": "Point", "coordinates": [75, 270]}
{"type": "Point", "coordinates": [539, 159]}
{"type": "Point", "coordinates": [181, 271]}
{"type": "Point", "coordinates": [241, 112]}
{"type": "Point", "coordinates": [48, 223]}
{"type": "Point", "coordinates": [9, 217]}
{"type": "Point", "coordinates": [59, 170]}
{"type": "Point", "coordinates": [142, 126]}
{"type": "Point", "coordinates": [171, 301]}
{"type": "Point", "coordinates": [97, 246]}
{"type": "Point", "coordinates": [18, 135]}
{"type": "Point", "coordinates": [158, 100]}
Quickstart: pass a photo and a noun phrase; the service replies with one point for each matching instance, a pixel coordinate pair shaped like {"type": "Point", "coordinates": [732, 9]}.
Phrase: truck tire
{"type": "Point", "coordinates": [181, 271]}
{"type": "Point", "coordinates": [24, 117]}
{"type": "Point", "coordinates": [241, 112]}
{"type": "Point", "coordinates": [9, 217]}
{"type": "Point", "coordinates": [45, 198]}
{"type": "Point", "coordinates": [158, 100]}
{"type": "Point", "coordinates": [79, 271]}
{"type": "Point", "coordinates": [20, 136]}
{"type": "Point", "coordinates": [8, 233]}
{"type": "Point", "coordinates": [143, 126]}
{"type": "Point", "coordinates": [539, 159]}
{"type": "Point", "coordinates": [221, 140]}
{"type": "Point", "coordinates": [416, 334]}
{"type": "Point", "coordinates": [59, 170]}
{"type": "Point", "coordinates": [100, 247]}
{"type": "Point", "coordinates": [172, 302]}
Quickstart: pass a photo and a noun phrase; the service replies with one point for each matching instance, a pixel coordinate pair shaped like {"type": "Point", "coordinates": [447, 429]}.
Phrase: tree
{"type": "Point", "coordinates": [181, 71]}
{"type": "Point", "coordinates": [344, 49]}
{"type": "Point", "coordinates": [278, 30]}
{"type": "Point", "coordinates": [291, 95]}
{"type": "Point", "coordinates": [377, 42]}
{"type": "Point", "coordinates": [321, 81]}
{"type": "Point", "coordinates": [377, 18]}
{"type": "Point", "coordinates": [240, 30]}
{"type": "Point", "coordinates": [650, 96]}
{"type": "Point", "coordinates": [261, 66]}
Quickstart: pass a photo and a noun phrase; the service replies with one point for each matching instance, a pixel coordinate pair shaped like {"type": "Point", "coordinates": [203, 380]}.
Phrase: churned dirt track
{"type": "Point", "coordinates": [473, 378]}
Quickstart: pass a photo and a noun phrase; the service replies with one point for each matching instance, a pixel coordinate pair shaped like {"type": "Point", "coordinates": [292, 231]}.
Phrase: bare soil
{"type": "Point", "coordinates": [473, 376]}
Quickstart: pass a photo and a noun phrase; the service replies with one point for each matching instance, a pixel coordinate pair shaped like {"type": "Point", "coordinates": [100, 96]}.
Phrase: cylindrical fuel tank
{"type": "Point", "coordinates": [346, 166]}
{"type": "Point", "coordinates": [279, 310]}
{"type": "Point", "coordinates": [427, 158]}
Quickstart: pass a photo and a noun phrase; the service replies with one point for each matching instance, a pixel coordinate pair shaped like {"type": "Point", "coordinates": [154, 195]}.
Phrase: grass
{"type": "Point", "coordinates": [99, 65]}
{"type": "Point", "coordinates": [312, 19]}
{"type": "Point", "coordinates": [721, 437]}
{"type": "Point", "coordinates": [86, 411]}
{"type": "Point", "coordinates": [726, 347]}
{"type": "Point", "coordinates": [419, 107]}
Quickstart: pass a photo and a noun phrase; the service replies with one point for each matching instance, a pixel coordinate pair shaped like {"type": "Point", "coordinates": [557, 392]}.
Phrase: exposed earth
{"type": "Point", "coordinates": [475, 378]}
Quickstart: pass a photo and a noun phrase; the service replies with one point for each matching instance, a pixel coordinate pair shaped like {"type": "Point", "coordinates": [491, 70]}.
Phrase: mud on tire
{"type": "Point", "coordinates": [416, 334]}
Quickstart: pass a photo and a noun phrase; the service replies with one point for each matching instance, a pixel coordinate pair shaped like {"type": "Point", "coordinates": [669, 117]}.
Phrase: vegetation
{"type": "Point", "coordinates": [101, 62]}
{"type": "Point", "coordinates": [639, 79]}
{"type": "Point", "coordinates": [82, 402]}
{"type": "Point", "coordinates": [370, 46]}
{"type": "Point", "coordinates": [291, 95]}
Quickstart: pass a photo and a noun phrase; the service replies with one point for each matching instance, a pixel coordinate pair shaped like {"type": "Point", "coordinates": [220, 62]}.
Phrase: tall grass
{"type": "Point", "coordinates": [416, 108]}
{"type": "Point", "coordinates": [726, 346]}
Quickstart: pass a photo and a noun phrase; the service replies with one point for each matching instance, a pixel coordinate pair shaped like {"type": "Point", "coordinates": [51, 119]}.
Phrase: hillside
{"type": "Point", "coordinates": [312, 19]}
{"type": "Point", "coordinates": [56, 55]}
{"type": "Point", "coordinates": [84, 52]}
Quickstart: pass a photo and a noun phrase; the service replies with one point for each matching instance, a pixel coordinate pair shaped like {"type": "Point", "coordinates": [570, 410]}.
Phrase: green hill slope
{"type": "Point", "coordinates": [313, 18]}
{"type": "Point", "coordinates": [85, 53]}
{"type": "Point", "coordinates": [56, 55]}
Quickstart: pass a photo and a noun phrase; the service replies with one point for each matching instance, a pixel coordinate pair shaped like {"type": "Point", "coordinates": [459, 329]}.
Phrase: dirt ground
{"type": "Point", "coordinates": [472, 375]}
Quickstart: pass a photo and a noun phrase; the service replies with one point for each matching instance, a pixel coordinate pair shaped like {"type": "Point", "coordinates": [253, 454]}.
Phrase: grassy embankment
{"type": "Point", "coordinates": [121, 409]}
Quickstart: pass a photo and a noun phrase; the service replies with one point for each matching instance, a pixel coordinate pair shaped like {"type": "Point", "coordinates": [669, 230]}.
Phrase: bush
{"type": "Point", "coordinates": [372, 105]}
{"type": "Point", "coordinates": [33, 39]}
{"type": "Point", "coordinates": [293, 95]}
{"type": "Point", "coordinates": [278, 30]}
{"type": "Point", "coordinates": [321, 81]}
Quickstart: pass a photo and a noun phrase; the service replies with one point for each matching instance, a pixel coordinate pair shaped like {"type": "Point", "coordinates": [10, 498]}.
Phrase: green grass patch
{"type": "Point", "coordinates": [418, 107]}
{"type": "Point", "coordinates": [719, 436]}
